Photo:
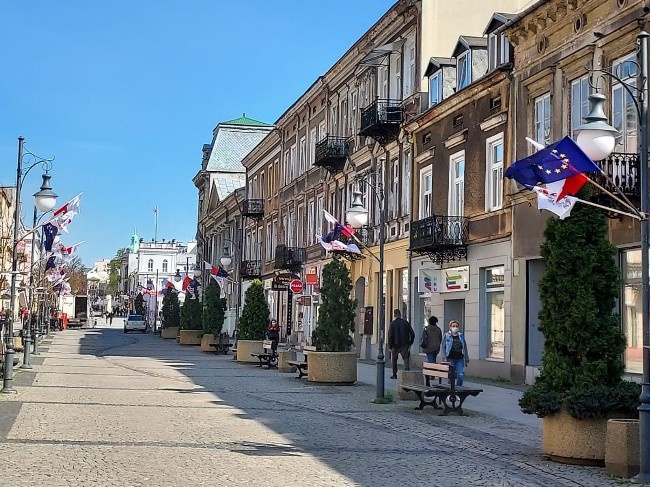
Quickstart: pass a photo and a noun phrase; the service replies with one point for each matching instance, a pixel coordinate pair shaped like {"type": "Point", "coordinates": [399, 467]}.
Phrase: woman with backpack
{"type": "Point", "coordinates": [431, 339]}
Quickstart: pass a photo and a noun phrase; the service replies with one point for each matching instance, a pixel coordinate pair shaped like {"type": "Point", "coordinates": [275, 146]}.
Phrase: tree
{"type": "Point", "coordinates": [139, 304]}
{"type": "Point", "coordinates": [114, 272]}
{"type": "Point", "coordinates": [582, 364]}
{"type": "Point", "coordinates": [191, 313]}
{"type": "Point", "coordinates": [254, 319]}
{"type": "Point", "coordinates": [171, 310]}
{"type": "Point", "coordinates": [337, 310]}
{"type": "Point", "coordinates": [76, 271]}
{"type": "Point", "coordinates": [214, 310]}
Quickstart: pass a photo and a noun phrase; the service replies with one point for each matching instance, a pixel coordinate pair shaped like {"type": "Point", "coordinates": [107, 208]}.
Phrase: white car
{"type": "Point", "coordinates": [135, 323]}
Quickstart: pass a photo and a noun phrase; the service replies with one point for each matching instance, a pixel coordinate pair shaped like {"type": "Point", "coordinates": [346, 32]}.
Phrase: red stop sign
{"type": "Point", "coordinates": [296, 286]}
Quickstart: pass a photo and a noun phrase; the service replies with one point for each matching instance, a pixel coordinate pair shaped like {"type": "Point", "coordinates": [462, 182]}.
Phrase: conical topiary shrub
{"type": "Point", "coordinates": [582, 364]}
{"type": "Point", "coordinates": [254, 319]}
{"type": "Point", "coordinates": [191, 313]}
{"type": "Point", "coordinates": [139, 304]}
{"type": "Point", "coordinates": [337, 309]}
{"type": "Point", "coordinates": [171, 310]}
{"type": "Point", "coordinates": [214, 310]}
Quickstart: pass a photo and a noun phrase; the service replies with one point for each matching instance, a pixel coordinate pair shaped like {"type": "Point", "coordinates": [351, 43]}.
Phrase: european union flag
{"type": "Point", "coordinates": [559, 160]}
{"type": "Point", "coordinates": [50, 232]}
{"type": "Point", "coordinates": [50, 263]}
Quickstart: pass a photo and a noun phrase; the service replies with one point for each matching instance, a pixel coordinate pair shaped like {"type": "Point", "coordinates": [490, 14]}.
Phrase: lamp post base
{"type": "Point", "coordinates": [643, 476]}
{"type": "Point", "coordinates": [27, 351]}
{"type": "Point", "coordinates": [35, 348]}
{"type": "Point", "coordinates": [8, 371]}
{"type": "Point", "coordinates": [381, 373]}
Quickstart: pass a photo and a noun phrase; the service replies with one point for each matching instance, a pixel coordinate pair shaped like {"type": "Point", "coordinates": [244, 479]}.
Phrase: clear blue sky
{"type": "Point", "coordinates": [124, 94]}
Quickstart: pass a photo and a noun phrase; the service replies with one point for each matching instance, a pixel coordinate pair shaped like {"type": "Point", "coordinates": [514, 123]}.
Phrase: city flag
{"type": "Point", "coordinates": [214, 270]}
{"type": "Point", "coordinates": [50, 263]}
{"type": "Point", "coordinates": [548, 200]}
{"type": "Point", "coordinates": [342, 229]}
{"type": "Point", "coordinates": [50, 232]}
{"type": "Point", "coordinates": [186, 282]}
{"type": "Point", "coordinates": [71, 206]}
{"type": "Point", "coordinates": [555, 162]}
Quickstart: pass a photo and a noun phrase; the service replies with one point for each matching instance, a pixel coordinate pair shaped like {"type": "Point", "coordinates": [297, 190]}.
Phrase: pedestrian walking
{"type": "Point", "coordinates": [455, 350]}
{"type": "Point", "coordinates": [110, 318]}
{"type": "Point", "coordinates": [431, 339]}
{"type": "Point", "coordinates": [273, 334]}
{"type": "Point", "coordinates": [400, 338]}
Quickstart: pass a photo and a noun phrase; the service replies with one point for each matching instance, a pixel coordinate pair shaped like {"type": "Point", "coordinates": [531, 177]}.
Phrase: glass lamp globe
{"type": "Point", "coordinates": [177, 276]}
{"type": "Point", "coordinates": [225, 259]}
{"type": "Point", "coordinates": [197, 272]}
{"type": "Point", "coordinates": [45, 199]}
{"type": "Point", "coordinates": [357, 215]}
{"type": "Point", "coordinates": [596, 137]}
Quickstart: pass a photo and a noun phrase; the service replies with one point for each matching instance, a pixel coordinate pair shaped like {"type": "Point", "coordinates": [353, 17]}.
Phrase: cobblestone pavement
{"type": "Point", "coordinates": [108, 409]}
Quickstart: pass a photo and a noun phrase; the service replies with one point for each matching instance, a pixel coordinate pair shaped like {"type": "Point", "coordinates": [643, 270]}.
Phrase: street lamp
{"type": "Point", "coordinates": [45, 201]}
{"type": "Point", "coordinates": [177, 276]}
{"type": "Point", "coordinates": [357, 217]}
{"type": "Point", "coordinates": [226, 259]}
{"type": "Point", "coordinates": [597, 140]}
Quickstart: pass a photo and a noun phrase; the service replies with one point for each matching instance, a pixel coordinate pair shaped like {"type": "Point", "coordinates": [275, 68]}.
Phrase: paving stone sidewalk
{"type": "Point", "coordinates": [108, 409]}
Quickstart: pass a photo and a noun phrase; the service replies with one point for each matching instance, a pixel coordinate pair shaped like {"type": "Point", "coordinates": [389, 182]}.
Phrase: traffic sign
{"type": "Point", "coordinates": [296, 286]}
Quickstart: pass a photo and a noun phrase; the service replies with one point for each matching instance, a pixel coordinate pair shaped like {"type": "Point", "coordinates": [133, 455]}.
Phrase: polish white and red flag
{"type": "Point", "coordinates": [63, 216]}
{"type": "Point", "coordinates": [66, 252]}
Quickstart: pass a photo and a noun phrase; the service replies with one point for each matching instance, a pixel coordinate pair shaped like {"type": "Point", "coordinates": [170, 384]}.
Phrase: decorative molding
{"type": "Point", "coordinates": [456, 139]}
{"type": "Point", "coordinates": [494, 121]}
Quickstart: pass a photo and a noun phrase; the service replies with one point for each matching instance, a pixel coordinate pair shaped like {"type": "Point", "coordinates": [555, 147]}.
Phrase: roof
{"type": "Point", "coordinates": [244, 120]}
{"type": "Point", "coordinates": [225, 184]}
{"type": "Point", "coordinates": [468, 42]}
{"type": "Point", "coordinates": [435, 63]}
{"type": "Point", "coordinates": [497, 20]}
{"type": "Point", "coordinates": [231, 144]}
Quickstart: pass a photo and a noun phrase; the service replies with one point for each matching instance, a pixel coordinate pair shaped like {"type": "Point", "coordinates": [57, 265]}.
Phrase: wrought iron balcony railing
{"type": "Point", "coordinates": [331, 153]}
{"type": "Point", "coordinates": [623, 170]}
{"type": "Point", "coordinates": [381, 120]}
{"type": "Point", "coordinates": [291, 258]}
{"type": "Point", "coordinates": [250, 269]}
{"type": "Point", "coordinates": [442, 237]}
{"type": "Point", "coordinates": [253, 208]}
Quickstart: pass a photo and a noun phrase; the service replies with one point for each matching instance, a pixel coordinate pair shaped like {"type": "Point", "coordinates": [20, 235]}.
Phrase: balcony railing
{"type": "Point", "coordinates": [442, 237]}
{"type": "Point", "coordinates": [381, 120]}
{"type": "Point", "coordinates": [331, 153]}
{"type": "Point", "coordinates": [623, 170]}
{"type": "Point", "coordinates": [251, 269]}
{"type": "Point", "coordinates": [292, 258]}
{"type": "Point", "coordinates": [253, 208]}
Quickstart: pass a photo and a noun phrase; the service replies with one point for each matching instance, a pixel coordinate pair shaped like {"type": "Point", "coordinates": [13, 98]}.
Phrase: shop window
{"type": "Point", "coordinates": [494, 317]}
{"type": "Point", "coordinates": [631, 311]}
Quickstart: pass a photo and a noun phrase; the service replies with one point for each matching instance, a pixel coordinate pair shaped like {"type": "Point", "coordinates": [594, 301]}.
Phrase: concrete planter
{"type": "Point", "coordinates": [576, 441]}
{"type": "Point", "coordinates": [285, 356]}
{"type": "Point", "coordinates": [170, 332]}
{"type": "Point", "coordinates": [205, 342]}
{"type": "Point", "coordinates": [332, 367]}
{"type": "Point", "coordinates": [190, 337]}
{"type": "Point", "coordinates": [622, 448]}
{"type": "Point", "coordinates": [246, 347]}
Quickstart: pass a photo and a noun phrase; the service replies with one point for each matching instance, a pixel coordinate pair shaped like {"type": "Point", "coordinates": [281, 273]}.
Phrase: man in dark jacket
{"type": "Point", "coordinates": [400, 338]}
{"type": "Point", "coordinates": [434, 338]}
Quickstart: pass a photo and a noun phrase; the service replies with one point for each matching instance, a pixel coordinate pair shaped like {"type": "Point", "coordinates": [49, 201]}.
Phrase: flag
{"type": "Point", "coordinates": [557, 161]}
{"type": "Point", "coordinates": [568, 186]}
{"type": "Point", "coordinates": [50, 232]}
{"type": "Point", "coordinates": [155, 209]}
{"type": "Point", "coordinates": [332, 245]}
{"type": "Point", "coordinates": [343, 229]}
{"type": "Point", "coordinates": [65, 252]}
{"type": "Point", "coordinates": [215, 270]}
{"type": "Point", "coordinates": [222, 285]}
{"type": "Point", "coordinates": [50, 263]}
{"type": "Point", "coordinates": [547, 200]}
{"type": "Point", "coordinates": [71, 206]}
{"type": "Point", "coordinates": [186, 282]}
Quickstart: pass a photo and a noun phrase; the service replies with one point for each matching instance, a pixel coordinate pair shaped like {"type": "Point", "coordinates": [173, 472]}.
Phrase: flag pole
{"type": "Point", "coordinates": [155, 231]}
{"type": "Point", "coordinates": [638, 217]}
{"type": "Point", "coordinates": [625, 203]}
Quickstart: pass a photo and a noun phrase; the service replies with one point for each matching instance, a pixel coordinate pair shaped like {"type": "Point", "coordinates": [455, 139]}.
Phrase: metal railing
{"type": "Point", "coordinates": [329, 149]}
{"type": "Point", "coordinates": [381, 112]}
{"type": "Point", "coordinates": [253, 207]}
{"type": "Point", "coordinates": [623, 170]}
{"type": "Point", "coordinates": [289, 257]}
{"type": "Point", "coordinates": [439, 231]}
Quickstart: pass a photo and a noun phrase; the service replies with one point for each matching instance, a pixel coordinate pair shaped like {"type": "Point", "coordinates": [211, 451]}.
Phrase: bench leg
{"type": "Point", "coordinates": [453, 404]}
{"type": "Point", "coordinates": [301, 372]}
{"type": "Point", "coordinates": [427, 401]}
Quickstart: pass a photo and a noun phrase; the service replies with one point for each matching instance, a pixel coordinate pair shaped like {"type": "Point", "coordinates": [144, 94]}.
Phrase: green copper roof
{"type": "Point", "coordinates": [244, 120]}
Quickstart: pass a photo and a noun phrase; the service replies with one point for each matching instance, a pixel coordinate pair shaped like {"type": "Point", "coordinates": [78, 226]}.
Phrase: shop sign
{"type": "Point", "coordinates": [455, 279]}
{"type": "Point", "coordinates": [277, 286]}
{"type": "Point", "coordinates": [312, 277]}
{"type": "Point", "coordinates": [286, 278]}
{"type": "Point", "coordinates": [428, 281]}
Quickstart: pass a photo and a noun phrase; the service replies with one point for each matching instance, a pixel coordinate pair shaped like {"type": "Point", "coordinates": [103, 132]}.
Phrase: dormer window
{"type": "Point", "coordinates": [435, 88]}
{"type": "Point", "coordinates": [463, 70]}
{"type": "Point", "coordinates": [498, 51]}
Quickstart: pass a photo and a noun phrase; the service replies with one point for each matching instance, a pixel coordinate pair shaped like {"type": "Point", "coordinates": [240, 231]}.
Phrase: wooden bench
{"type": "Point", "coordinates": [268, 358]}
{"type": "Point", "coordinates": [301, 367]}
{"type": "Point", "coordinates": [222, 347]}
{"type": "Point", "coordinates": [441, 394]}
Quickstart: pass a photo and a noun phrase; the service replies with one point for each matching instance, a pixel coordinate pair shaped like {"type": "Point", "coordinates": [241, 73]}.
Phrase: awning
{"type": "Point", "coordinates": [377, 55]}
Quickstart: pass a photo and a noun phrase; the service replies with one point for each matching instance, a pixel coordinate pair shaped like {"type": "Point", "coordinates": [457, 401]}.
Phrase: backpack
{"type": "Point", "coordinates": [424, 341]}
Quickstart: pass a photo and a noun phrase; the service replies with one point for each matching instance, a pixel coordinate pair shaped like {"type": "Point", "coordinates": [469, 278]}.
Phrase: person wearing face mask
{"type": "Point", "coordinates": [455, 350]}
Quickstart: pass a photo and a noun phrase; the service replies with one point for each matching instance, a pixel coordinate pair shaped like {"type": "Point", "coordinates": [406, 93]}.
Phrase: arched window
{"type": "Point", "coordinates": [164, 265]}
{"type": "Point", "coordinates": [150, 265]}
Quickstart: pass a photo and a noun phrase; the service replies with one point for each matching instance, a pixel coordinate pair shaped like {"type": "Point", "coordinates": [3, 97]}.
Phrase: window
{"type": "Point", "coordinates": [542, 128]}
{"type": "Point", "coordinates": [435, 88]}
{"type": "Point", "coordinates": [321, 130]}
{"type": "Point", "coordinates": [269, 182]}
{"type": "Point", "coordinates": [383, 82]}
{"type": "Point", "coordinates": [253, 188]}
{"type": "Point", "coordinates": [303, 154]}
{"type": "Point", "coordinates": [299, 228]}
{"type": "Point", "coordinates": [311, 234]}
{"type": "Point", "coordinates": [334, 121]}
{"type": "Point", "coordinates": [494, 313]}
{"type": "Point", "coordinates": [290, 234]}
{"type": "Point", "coordinates": [165, 266]}
{"type": "Point", "coordinates": [457, 186]}
{"type": "Point", "coordinates": [504, 55]}
{"type": "Point", "coordinates": [344, 119]}
{"type": "Point", "coordinates": [623, 108]}
{"type": "Point", "coordinates": [631, 310]}
{"type": "Point", "coordinates": [312, 144]}
{"type": "Point", "coordinates": [319, 215]}
{"type": "Point", "coordinates": [579, 102]}
{"type": "Point", "coordinates": [269, 243]}
{"type": "Point", "coordinates": [287, 169]}
{"type": "Point", "coordinates": [463, 70]}
{"type": "Point", "coordinates": [409, 81]}
{"type": "Point", "coordinates": [274, 238]}
{"type": "Point", "coordinates": [406, 183]}
{"type": "Point", "coordinates": [353, 116]}
{"type": "Point", "coordinates": [425, 193]}
{"type": "Point", "coordinates": [293, 169]}
{"type": "Point", "coordinates": [394, 189]}
{"type": "Point", "coordinates": [493, 55]}
{"type": "Point", "coordinates": [494, 176]}
{"type": "Point", "coordinates": [150, 265]}
{"type": "Point", "coordinates": [403, 277]}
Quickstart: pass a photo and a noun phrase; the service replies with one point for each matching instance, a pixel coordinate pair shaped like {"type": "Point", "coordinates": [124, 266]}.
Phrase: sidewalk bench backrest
{"type": "Point", "coordinates": [439, 371]}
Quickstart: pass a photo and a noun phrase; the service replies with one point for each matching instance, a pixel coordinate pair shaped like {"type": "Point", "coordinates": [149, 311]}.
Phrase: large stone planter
{"type": "Point", "coordinates": [190, 337]}
{"type": "Point", "coordinates": [206, 340]}
{"type": "Point", "coordinates": [285, 356]}
{"type": "Point", "coordinates": [246, 347]}
{"type": "Point", "coordinates": [332, 367]}
{"type": "Point", "coordinates": [576, 441]}
{"type": "Point", "coordinates": [170, 332]}
{"type": "Point", "coordinates": [622, 448]}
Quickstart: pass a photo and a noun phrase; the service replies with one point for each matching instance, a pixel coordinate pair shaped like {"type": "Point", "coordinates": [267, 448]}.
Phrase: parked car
{"type": "Point", "coordinates": [135, 323]}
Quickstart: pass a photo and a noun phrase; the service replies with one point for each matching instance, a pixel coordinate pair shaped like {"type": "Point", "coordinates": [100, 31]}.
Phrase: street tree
{"type": "Point", "coordinates": [254, 319]}
{"type": "Point", "coordinates": [214, 310]}
{"type": "Point", "coordinates": [171, 309]}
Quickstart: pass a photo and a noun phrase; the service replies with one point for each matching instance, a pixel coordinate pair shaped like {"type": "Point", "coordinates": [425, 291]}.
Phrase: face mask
{"type": "Point", "coordinates": [455, 329]}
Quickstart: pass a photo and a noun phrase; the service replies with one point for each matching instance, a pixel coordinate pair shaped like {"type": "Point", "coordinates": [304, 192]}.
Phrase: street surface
{"type": "Point", "coordinates": [108, 409]}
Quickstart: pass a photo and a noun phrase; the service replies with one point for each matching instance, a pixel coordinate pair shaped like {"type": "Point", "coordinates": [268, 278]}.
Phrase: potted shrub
{"type": "Point", "coordinates": [213, 315]}
{"type": "Point", "coordinates": [580, 385]}
{"type": "Point", "coordinates": [139, 304]}
{"type": "Point", "coordinates": [191, 323]}
{"type": "Point", "coordinates": [171, 312]}
{"type": "Point", "coordinates": [333, 362]}
{"type": "Point", "coordinates": [253, 323]}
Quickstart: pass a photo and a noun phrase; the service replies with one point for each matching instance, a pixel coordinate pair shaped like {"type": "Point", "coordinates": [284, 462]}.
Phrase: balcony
{"type": "Point", "coordinates": [623, 170]}
{"type": "Point", "coordinates": [331, 153]}
{"type": "Point", "coordinates": [250, 269]}
{"type": "Point", "coordinates": [290, 258]}
{"type": "Point", "coordinates": [381, 120]}
{"type": "Point", "coordinates": [253, 208]}
{"type": "Point", "coordinates": [443, 238]}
